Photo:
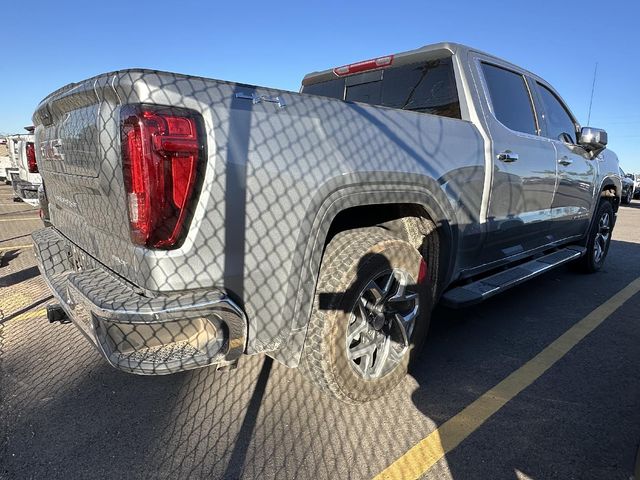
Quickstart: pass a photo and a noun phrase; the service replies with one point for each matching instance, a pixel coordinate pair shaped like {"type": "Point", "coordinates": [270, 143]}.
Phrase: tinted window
{"type": "Point", "coordinates": [332, 88]}
{"type": "Point", "coordinates": [556, 118]}
{"type": "Point", "coordinates": [428, 87]}
{"type": "Point", "coordinates": [510, 99]}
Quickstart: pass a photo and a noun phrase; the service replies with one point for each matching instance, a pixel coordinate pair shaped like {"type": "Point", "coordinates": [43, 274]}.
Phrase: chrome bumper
{"type": "Point", "coordinates": [138, 334]}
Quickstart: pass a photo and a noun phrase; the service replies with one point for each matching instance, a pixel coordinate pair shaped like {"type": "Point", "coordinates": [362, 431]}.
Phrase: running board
{"type": "Point", "coordinates": [484, 288]}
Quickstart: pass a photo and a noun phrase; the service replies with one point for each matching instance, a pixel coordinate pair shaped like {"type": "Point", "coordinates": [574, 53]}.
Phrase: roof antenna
{"type": "Point", "coordinates": [593, 87]}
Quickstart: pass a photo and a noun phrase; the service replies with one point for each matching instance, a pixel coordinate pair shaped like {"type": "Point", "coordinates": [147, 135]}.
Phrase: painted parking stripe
{"type": "Point", "coordinates": [15, 247]}
{"type": "Point", "coordinates": [41, 312]}
{"type": "Point", "coordinates": [426, 453]}
{"type": "Point", "coordinates": [19, 219]}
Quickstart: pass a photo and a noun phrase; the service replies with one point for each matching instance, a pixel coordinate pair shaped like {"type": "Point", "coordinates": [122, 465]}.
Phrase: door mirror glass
{"type": "Point", "coordinates": [593, 139]}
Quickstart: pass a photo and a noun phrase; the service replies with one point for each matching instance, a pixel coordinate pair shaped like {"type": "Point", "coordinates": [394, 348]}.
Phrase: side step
{"type": "Point", "coordinates": [484, 288]}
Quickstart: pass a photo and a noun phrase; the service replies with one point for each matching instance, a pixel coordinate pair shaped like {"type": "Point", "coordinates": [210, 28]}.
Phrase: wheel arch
{"type": "Point", "coordinates": [325, 208]}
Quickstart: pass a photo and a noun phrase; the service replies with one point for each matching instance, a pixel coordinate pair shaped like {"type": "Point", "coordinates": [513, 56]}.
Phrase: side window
{"type": "Point", "coordinates": [510, 99]}
{"type": "Point", "coordinates": [558, 122]}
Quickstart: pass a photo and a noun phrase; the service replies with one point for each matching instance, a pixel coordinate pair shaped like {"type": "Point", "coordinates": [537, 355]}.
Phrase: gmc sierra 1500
{"type": "Point", "coordinates": [195, 220]}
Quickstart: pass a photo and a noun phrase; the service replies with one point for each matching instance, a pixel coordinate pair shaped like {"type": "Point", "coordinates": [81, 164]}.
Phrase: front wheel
{"type": "Point", "coordinates": [599, 238]}
{"type": "Point", "coordinates": [371, 310]}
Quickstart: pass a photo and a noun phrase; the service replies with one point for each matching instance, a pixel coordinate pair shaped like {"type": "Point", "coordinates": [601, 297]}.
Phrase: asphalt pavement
{"type": "Point", "coordinates": [65, 413]}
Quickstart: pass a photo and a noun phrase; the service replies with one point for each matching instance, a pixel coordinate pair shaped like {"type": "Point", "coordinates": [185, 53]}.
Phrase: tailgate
{"type": "Point", "coordinates": [78, 150]}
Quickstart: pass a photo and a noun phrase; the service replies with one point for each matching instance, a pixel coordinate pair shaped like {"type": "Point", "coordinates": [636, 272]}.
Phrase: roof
{"type": "Point", "coordinates": [428, 52]}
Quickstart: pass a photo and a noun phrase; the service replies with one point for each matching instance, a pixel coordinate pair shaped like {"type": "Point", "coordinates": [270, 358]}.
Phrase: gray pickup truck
{"type": "Point", "coordinates": [196, 220]}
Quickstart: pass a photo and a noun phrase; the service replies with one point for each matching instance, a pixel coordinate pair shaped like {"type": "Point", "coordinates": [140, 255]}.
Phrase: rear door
{"type": "Point", "coordinates": [577, 173]}
{"type": "Point", "coordinates": [524, 173]}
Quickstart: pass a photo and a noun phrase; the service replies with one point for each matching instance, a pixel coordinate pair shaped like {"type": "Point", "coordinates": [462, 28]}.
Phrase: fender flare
{"type": "Point", "coordinates": [333, 197]}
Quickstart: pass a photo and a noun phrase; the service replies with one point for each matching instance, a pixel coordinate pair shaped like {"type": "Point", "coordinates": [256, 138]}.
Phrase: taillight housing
{"type": "Point", "coordinates": [163, 153]}
{"type": "Point", "coordinates": [32, 165]}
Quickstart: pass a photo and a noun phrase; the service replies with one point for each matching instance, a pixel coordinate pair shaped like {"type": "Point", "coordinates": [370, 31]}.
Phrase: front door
{"type": "Point", "coordinates": [577, 173]}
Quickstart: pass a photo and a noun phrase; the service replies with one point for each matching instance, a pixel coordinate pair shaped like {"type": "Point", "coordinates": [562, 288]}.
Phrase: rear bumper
{"type": "Point", "coordinates": [138, 334]}
{"type": "Point", "coordinates": [8, 171]}
{"type": "Point", "coordinates": [25, 190]}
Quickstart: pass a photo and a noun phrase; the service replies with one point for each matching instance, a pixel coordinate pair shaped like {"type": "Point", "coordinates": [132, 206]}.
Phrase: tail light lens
{"type": "Point", "coordinates": [31, 158]}
{"type": "Point", "coordinates": [162, 150]}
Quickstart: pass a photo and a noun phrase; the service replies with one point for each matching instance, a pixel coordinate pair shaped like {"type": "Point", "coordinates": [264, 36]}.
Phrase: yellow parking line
{"type": "Point", "coordinates": [41, 312]}
{"type": "Point", "coordinates": [19, 219]}
{"type": "Point", "coordinates": [15, 247]}
{"type": "Point", "coordinates": [426, 453]}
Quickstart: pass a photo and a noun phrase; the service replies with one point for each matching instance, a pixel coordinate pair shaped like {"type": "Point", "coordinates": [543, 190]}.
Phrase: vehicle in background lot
{"type": "Point", "coordinates": [195, 220]}
{"type": "Point", "coordinates": [25, 186]}
{"type": "Point", "coordinates": [5, 160]}
{"type": "Point", "coordinates": [11, 171]}
{"type": "Point", "coordinates": [636, 185]}
{"type": "Point", "coordinates": [628, 186]}
{"type": "Point", "coordinates": [44, 206]}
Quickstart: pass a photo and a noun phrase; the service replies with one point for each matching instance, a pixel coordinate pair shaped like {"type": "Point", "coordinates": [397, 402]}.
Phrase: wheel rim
{"type": "Point", "coordinates": [381, 324]}
{"type": "Point", "coordinates": [602, 237]}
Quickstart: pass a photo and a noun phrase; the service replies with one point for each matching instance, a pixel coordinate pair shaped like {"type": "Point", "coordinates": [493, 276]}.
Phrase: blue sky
{"type": "Point", "coordinates": [49, 44]}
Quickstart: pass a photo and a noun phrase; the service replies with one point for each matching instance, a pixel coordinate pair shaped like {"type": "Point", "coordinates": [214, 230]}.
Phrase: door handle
{"type": "Point", "coordinates": [507, 156]}
{"type": "Point", "coordinates": [564, 161]}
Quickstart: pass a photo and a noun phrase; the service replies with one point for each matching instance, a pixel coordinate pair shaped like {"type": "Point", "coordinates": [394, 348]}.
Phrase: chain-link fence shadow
{"type": "Point", "coordinates": [193, 220]}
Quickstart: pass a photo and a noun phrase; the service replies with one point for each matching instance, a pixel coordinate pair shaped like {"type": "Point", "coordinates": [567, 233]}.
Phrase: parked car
{"type": "Point", "coordinates": [25, 185]}
{"type": "Point", "coordinates": [636, 185]}
{"type": "Point", "coordinates": [196, 220]}
{"type": "Point", "coordinates": [628, 186]}
{"type": "Point", "coordinates": [5, 160]}
{"type": "Point", "coordinates": [11, 170]}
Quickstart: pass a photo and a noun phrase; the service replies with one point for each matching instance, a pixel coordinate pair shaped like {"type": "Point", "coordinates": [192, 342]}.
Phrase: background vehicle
{"type": "Point", "coordinates": [11, 171]}
{"type": "Point", "coordinates": [195, 220]}
{"type": "Point", "coordinates": [636, 185]}
{"type": "Point", "coordinates": [25, 186]}
{"type": "Point", "coordinates": [5, 160]}
{"type": "Point", "coordinates": [628, 186]}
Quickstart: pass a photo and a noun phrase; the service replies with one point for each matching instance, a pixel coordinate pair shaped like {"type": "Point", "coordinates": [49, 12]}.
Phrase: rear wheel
{"type": "Point", "coordinates": [599, 239]}
{"type": "Point", "coordinates": [370, 313]}
{"type": "Point", "coordinates": [627, 199]}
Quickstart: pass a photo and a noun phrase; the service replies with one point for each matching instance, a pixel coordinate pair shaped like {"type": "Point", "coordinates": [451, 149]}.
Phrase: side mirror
{"type": "Point", "coordinates": [593, 140]}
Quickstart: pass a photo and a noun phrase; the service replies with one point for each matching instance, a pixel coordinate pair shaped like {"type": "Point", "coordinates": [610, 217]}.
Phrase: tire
{"type": "Point", "coordinates": [627, 200]}
{"type": "Point", "coordinates": [421, 233]}
{"type": "Point", "coordinates": [357, 267]}
{"type": "Point", "coordinates": [599, 239]}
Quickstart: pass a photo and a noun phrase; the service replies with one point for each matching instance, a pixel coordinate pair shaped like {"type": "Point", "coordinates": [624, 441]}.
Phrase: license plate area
{"type": "Point", "coordinates": [79, 261]}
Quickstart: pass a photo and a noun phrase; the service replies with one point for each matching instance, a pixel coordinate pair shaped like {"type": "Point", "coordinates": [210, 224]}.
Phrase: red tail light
{"type": "Point", "coordinates": [372, 64]}
{"type": "Point", "coordinates": [161, 150]}
{"type": "Point", "coordinates": [31, 158]}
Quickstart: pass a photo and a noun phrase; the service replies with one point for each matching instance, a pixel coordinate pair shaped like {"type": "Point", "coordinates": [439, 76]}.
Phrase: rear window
{"type": "Point", "coordinates": [427, 87]}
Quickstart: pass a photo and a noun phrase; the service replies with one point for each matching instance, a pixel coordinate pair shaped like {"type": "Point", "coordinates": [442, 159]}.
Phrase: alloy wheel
{"type": "Point", "coordinates": [381, 324]}
{"type": "Point", "coordinates": [602, 237]}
